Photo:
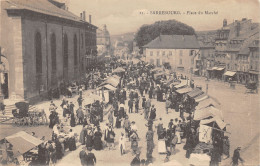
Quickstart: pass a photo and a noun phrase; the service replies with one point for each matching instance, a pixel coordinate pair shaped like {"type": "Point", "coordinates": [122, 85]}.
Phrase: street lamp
{"type": "Point", "coordinates": [1, 70]}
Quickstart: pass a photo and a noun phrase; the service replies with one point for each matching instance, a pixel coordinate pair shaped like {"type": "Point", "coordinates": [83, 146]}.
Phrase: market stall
{"type": "Point", "coordinates": [15, 146]}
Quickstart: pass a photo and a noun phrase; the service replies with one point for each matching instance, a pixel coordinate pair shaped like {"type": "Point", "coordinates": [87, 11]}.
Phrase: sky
{"type": "Point", "coordinates": [122, 16]}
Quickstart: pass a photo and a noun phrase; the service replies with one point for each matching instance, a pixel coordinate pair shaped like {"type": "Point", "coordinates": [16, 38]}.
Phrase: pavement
{"type": "Point", "coordinates": [240, 110]}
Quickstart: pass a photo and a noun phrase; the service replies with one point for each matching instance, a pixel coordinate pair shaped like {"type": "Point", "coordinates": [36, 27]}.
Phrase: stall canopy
{"type": "Point", "coordinates": [116, 76]}
{"type": "Point", "coordinates": [182, 84]}
{"type": "Point", "coordinates": [207, 102]}
{"type": "Point", "coordinates": [214, 68]}
{"type": "Point", "coordinates": [208, 112]}
{"type": "Point", "coordinates": [159, 74]}
{"type": "Point", "coordinates": [169, 81]}
{"type": "Point", "coordinates": [230, 73]}
{"type": "Point", "coordinates": [157, 70]}
{"type": "Point", "coordinates": [91, 99]}
{"type": "Point", "coordinates": [221, 124]}
{"type": "Point", "coordinates": [112, 81]}
{"type": "Point", "coordinates": [202, 97]}
{"type": "Point", "coordinates": [220, 68]}
{"type": "Point", "coordinates": [23, 142]}
{"type": "Point", "coordinates": [184, 90]}
{"type": "Point", "coordinates": [194, 93]}
{"type": "Point", "coordinates": [119, 70]}
{"type": "Point", "coordinates": [107, 87]}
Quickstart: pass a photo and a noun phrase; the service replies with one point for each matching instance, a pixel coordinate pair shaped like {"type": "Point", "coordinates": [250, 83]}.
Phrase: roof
{"type": "Point", "coordinates": [182, 84]}
{"type": "Point", "coordinates": [43, 7]}
{"type": "Point", "coordinates": [208, 112]}
{"type": "Point", "coordinates": [184, 90]}
{"type": "Point", "coordinates": [196, 92]}
{"type": "Point", "coordinates": [174, 42]}
{"type": "Point", "coordinates": [23, 142]}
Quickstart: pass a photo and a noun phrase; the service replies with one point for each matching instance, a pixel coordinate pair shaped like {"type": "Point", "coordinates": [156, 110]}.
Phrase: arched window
{"type": "Point", "coordinates": [38, 52]}
{"type": "Point", "coordinates": [65, 52]}
{"type": "Point", "coordinates": [75, 51]}
{"type": "Point", "coordinates": [53, 53]}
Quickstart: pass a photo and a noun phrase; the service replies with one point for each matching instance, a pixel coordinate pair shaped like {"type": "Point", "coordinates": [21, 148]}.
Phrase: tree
{"type": "Point", "coordinates": [147, 33]}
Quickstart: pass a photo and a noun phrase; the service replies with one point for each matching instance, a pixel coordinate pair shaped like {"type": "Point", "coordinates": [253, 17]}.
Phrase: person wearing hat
{"type": "Point", "coordinates": [236, 157]}
{"type": "Point", "coordinates": [83, 156]}
{"type": "Point", "coordinates": [130, 105]}
{"type": "Point", "coordinates": [91, 158]}
{"type": "Point", "coordinates": [127, 126]}
{"type": "Point", "coordinates": [152, 113]}
{"type": "Point", "coordinates": [136, 161]}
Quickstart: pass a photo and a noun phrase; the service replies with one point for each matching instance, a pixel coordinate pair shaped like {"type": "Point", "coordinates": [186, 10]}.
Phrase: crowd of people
{"type": "Point", "coordinates": [135, 93]}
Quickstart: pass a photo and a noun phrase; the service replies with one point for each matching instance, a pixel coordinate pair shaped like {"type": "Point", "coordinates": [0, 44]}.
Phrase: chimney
{"type": "Point", "coordinates": [224, 22]}
{"type": "Point", "coordinates": [81, 16]}
{"type": "Point", "coordinates": [238, 29]}
{"type": "Point", "coordinates": [90, 19]}
{"type": "Point", "coordinates": [84, 16]}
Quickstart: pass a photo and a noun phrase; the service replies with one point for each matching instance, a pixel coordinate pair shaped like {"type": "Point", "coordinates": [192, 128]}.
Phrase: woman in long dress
{"type": "Point", "coordinates": [72, 120]}
{"type": "Point", "coordinates": [97, 139]}
{"type": "Point", "coordinates": [89, 140]}
{"type": "Point", "coordinates": [161, 141]}
{"type": "Point", "coordinates": [178, 133]}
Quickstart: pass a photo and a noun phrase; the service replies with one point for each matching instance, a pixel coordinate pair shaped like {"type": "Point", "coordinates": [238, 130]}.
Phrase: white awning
{"type": "Point", "coordinates": [214, 68]}
{"type": "Point", "coordinates": [230, 73]}
{"type": "Point", "coordinates": [220, 68]}
{"type": "Point", "coordinates": [184, 90]}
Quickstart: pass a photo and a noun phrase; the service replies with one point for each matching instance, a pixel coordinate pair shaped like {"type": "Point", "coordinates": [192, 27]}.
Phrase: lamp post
{"type": "Point", "coordinates": [1, 70]}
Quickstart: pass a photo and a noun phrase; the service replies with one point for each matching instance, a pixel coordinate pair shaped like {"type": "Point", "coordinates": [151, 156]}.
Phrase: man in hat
{"type": "Point", "coordinates": [83, 156]}
{"type": "Point", "coordinates": [167, 105]}
{"type": "Point", "coordinates": [136, 161]}
{"type": "Point", "coordinates": [127, 126]}
{"type": "Point", "coordinates": [152, 113]}
{"type": "Point", "coordinates": [80, 115]}
{"type": "Point", "coordinates": [150, 143]}
{"type": "Point", "coordinates": [91, 158]}
{"type": "Point", "coordinates": [147, 108]}
{"type": "Point", "coordinates": [130, 105]}
{"type": "Point", "coordinates": [236, 157]}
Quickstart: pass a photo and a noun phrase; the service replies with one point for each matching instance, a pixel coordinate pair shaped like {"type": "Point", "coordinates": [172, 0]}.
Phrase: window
{"type": "Point", "coordinates": [170, 53]}
{"type": "Point", "coordinates": [75, 51]}
{"type": "Point", "coordinates": [151, 53]}
{"type": "Point", "coordinates": [65, 52]}
{"type": "Point", "coordinates": [82, 41]}
{"type": "Point", "coordinates": [38, 52]}
{"type": "Point", "coordinates": [180, 52]}
{"type": "Point", "coordinates": [191, 52]}
{"type": "Point", "coordinates": [158, 53]}
{"type": "Point", "coordinates": [53, 53]}
{"type": "Point", "coordinates": [180, 62]}
{"type": "Point", "coordinates": [163, 53]}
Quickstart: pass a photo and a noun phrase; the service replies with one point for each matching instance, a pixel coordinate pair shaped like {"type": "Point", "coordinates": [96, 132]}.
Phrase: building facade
{"type": "Point", "coordinates": [45, 45]}
{"type": "Point", "coordinates": [180, 51]}
{"type": "Point", "coordinates": [231, 49]}
{"type": "Point", "coordinates": [103, 44]}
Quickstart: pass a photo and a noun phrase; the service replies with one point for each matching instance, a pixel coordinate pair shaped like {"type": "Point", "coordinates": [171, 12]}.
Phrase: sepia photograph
{"type": "Point", "coordinates": [129, 83]}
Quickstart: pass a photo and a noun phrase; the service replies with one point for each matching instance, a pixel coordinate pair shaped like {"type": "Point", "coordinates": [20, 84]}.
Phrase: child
{"type": "Point", "coordinates": [122, 141]}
